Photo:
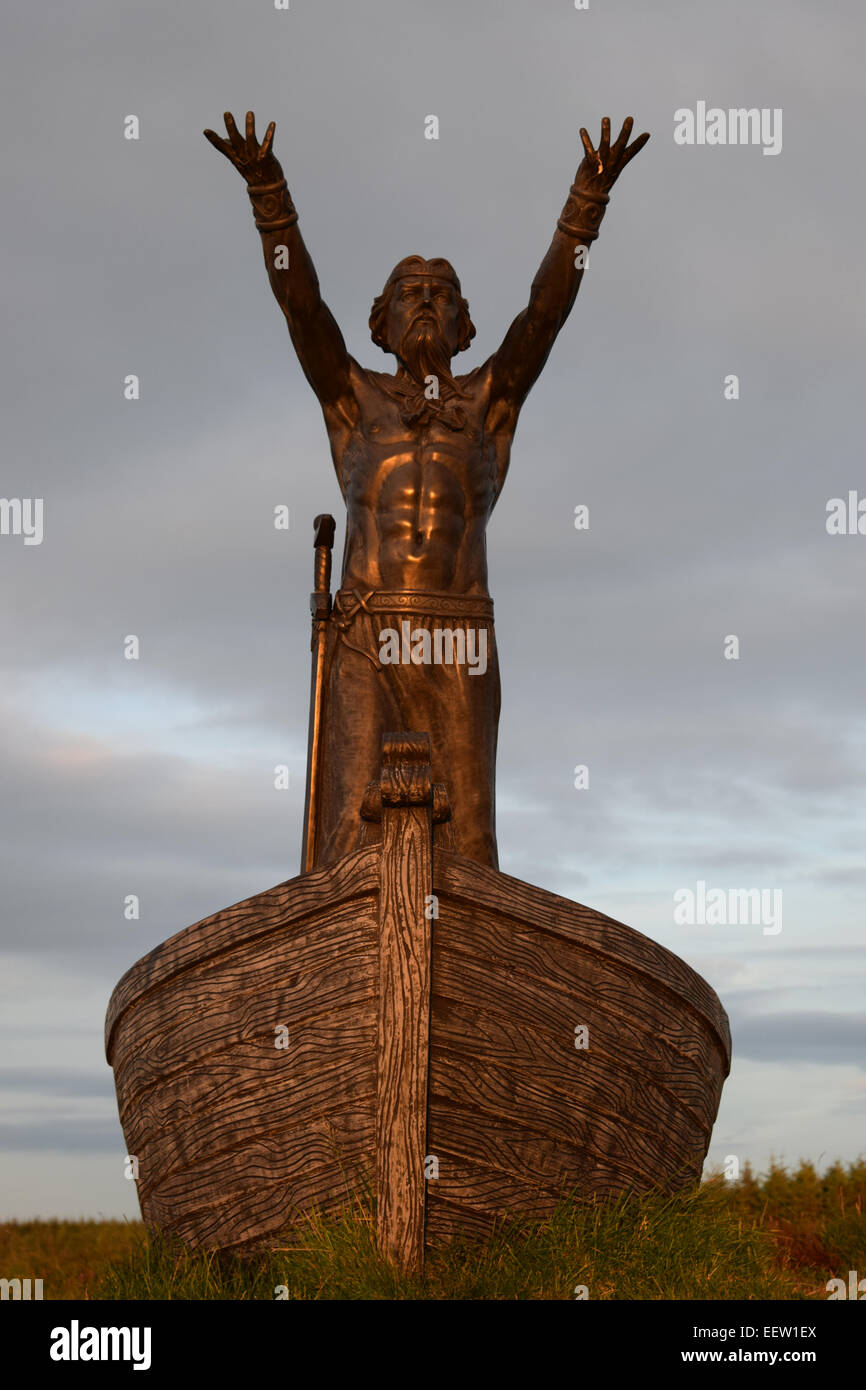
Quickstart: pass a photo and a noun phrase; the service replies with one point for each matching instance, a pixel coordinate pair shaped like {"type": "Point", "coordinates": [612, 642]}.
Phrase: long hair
{"type": "Point", "coordinates": [417, 265]}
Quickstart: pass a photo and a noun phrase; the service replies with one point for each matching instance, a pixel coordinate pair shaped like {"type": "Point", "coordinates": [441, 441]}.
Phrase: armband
{"type": "Point", "coordinates": [582, 214]}
{"type": "Point", "coordinates": [272, 206]}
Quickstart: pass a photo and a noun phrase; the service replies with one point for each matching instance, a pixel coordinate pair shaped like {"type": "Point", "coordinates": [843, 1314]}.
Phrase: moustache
{"type": "Point", "coordinates": [424, 332]}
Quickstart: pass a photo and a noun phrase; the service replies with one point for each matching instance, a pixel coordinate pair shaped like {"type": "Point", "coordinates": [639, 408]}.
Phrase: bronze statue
{"type": "Point", "coordinates": [322, 1040]}
{"type": "Point", "coordinates": [421, 457]}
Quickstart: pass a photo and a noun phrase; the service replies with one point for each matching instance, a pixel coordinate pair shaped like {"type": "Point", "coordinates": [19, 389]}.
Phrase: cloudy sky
{"type": "Point", "coordinates": [707, 515]}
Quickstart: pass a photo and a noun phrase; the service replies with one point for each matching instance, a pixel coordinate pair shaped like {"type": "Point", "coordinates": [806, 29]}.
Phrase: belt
{"type": "Point", "coordinates": [348, 603]}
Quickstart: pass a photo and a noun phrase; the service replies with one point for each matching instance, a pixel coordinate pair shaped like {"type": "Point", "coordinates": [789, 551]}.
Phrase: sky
{"type": "Point", "coordinates": [707, 515]}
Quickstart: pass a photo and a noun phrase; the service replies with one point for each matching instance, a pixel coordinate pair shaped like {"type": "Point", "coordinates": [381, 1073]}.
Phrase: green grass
{"type": "Point", "coordinates": [780, 1236]}
{"type": "Point", "coordinates": [70, 1257]}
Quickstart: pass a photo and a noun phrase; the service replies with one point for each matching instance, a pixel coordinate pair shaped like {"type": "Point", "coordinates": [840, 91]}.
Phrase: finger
{"type": "Point", "coordinates": [604, 143]}
{"type": "Point", "coordinates": [587, 144]}
{"type": "Point", "coordinates": [635, 148]}
{"type": "Point", "coordinates": [268, 140]}
{"type": "Point", "coordinates": [222, 145]}
{"type": "Point", "coordinates": [622, 138]}
{"type": "Point", "coordinates": [251, 129]}
{"type": "Point", "coordinates": [234, 133]}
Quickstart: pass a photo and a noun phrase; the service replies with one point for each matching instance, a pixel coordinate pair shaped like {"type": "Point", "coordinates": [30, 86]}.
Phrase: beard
{"type": "Point", "coordinates": [424, 353]}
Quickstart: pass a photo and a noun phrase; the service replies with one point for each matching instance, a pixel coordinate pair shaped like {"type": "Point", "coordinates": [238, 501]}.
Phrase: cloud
{"type": "Point", "coordinates": [61, 1082]}
{"type": "Point", "coordinates": [828, 1039]}
{"type": "Point", "coordinates": [62, 1135]}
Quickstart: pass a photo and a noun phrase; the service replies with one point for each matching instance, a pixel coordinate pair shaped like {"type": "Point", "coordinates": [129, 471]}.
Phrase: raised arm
{"type": "Point", "coordinates": [314, 331]}
{"type": "Point", "coordinates": [525, 348]}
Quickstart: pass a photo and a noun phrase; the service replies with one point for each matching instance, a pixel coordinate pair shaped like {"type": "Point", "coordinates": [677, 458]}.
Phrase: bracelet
{"type": "Point", "coordinates": [589, 208]}
{"type": "Point", "coordinates": [272, 206]}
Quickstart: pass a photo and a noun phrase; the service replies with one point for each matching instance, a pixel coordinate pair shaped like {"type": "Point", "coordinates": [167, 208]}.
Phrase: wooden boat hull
{"type": "Point", "coordinates": [236, 1133]}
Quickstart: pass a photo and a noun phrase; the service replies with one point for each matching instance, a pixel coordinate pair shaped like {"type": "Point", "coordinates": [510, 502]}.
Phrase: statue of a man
{"type": "Point", "coordinates": [421, 457]}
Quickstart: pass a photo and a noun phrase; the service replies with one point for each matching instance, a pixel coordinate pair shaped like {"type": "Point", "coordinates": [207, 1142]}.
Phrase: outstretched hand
{"type": "Point", "coordinates": [254, 161]}
{"type": "Point", "coordinates": [601, 168]}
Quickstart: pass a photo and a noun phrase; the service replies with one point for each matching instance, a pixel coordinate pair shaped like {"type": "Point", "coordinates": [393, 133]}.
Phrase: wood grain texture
{"type": "Point", "coordinates": [468, 1021]}
{"type": "Point", "coordinates": [511, 899]}
{"type": "Point", "coordinates": [515, 971]}
{"type": "Point", "coordinates": [235, 1136]}
{"type": "Point", "coordinates": [263, 915]}
{"type": "Point", "coordinates": [404, 999]}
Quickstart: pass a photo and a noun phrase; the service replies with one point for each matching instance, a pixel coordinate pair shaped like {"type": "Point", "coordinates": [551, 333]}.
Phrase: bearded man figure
{"type": "Point", "coordinates": [421, 457]}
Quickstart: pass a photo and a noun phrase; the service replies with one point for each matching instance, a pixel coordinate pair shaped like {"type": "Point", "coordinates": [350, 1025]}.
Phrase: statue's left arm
{"type": "Point", "coordinates": [526, 346]}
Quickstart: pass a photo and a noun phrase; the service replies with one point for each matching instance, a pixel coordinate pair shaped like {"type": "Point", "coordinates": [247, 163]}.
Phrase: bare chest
{"type": "Point", "coordinates": [440, 458]}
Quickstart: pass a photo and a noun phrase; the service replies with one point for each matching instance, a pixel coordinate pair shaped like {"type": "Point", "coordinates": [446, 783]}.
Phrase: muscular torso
{"type": "Point", "coordinates": [418, 496]}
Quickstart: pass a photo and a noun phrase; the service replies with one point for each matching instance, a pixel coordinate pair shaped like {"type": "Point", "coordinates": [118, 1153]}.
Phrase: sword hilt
{"type": "Point", "coordinates": [324, 528]}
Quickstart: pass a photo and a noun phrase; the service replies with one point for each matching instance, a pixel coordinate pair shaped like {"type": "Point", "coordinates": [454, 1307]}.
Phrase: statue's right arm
{"type": "Point", "coordinates": [314, 332]}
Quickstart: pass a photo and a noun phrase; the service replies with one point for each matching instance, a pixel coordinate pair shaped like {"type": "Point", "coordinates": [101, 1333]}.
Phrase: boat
{"type": "Point", "coordinates": [409, 1024]}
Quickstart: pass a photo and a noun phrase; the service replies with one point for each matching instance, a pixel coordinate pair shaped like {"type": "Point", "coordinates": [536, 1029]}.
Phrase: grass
{"type": "Point", "coordinates": [70, 1257]}
{"type": "Point", "coordinates": [780, 1236]}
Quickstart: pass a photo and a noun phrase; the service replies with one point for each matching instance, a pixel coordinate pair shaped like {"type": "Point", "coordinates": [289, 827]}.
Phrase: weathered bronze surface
{"type": "Point", "coordinates": [421, 457]}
